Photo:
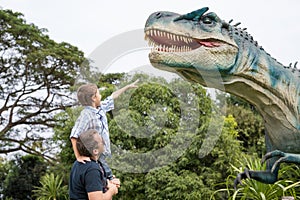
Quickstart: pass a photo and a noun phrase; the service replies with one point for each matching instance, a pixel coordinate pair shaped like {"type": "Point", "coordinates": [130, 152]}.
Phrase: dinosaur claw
{"type": "Point", "coordinates": [246, 171]}
{"type": "Point", "coordinates": [277, 163]}
{"type": "Point", "coordinates": [266, 157]}
{"type": "Point", "coordinates": [263, 160]}
{"type": "Point", "coordinates": [240, 177]}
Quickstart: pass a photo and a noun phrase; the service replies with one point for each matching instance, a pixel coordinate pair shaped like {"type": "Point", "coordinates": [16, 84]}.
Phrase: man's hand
{"type": "Point", "coordinates": [112, 187]}
{"type": "Point", "coordinates": [116, 182]}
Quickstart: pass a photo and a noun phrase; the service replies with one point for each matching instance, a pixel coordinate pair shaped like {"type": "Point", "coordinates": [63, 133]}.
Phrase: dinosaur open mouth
{"type": "Point", "coordinates": [170, 42]}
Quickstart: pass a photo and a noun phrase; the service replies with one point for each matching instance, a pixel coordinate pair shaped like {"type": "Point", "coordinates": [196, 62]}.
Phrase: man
{"type": "Point", "coordinates": [88, 180]}
{"type": "Point", "coordinates": [93, 116]}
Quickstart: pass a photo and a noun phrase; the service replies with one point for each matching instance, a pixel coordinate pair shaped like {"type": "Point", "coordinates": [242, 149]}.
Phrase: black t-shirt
{"type": "Point", "coordinates": [86, 177]}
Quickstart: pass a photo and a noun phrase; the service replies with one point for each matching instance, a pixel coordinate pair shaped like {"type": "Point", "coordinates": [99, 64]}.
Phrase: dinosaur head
{"type": "Point", "coordinates": [190, 44]}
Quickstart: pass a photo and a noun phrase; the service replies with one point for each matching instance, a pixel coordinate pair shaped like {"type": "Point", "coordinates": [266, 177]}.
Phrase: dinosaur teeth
{"type": "Point", "coordinates": [168, 42]}
{"type": "Point", "coordinates": [168, 35]}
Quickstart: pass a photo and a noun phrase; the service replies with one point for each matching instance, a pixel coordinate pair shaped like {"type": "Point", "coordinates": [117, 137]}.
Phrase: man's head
{"type": "Point", "coordinates": [88, 95]}
{"type": "Point", "coordinates": [90, 144]}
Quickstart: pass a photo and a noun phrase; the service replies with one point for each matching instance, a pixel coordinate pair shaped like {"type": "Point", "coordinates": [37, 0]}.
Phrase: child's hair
{"type": "Point", "coordinates": [85, 94]}
{"type": "Point", "coordinates": [86, 142]}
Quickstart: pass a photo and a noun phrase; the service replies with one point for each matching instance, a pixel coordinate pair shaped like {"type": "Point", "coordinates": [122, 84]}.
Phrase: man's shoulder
{"type": "Point", "coordinates": [88, 165]}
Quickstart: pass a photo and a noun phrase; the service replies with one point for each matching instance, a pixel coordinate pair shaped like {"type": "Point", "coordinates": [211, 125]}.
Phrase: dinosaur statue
{"type": "Point", "coordinates": [202, 48]}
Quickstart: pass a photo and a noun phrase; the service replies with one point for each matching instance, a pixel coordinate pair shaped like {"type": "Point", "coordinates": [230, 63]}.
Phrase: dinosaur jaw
{"type": "Point", "coordinates": [178, 51]}
{"type": "Point", "coordinates": [169, 42]}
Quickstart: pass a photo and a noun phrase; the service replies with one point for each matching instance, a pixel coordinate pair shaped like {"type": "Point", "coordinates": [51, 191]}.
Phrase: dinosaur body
{"type": "Point", "coordinates": [203, 48]}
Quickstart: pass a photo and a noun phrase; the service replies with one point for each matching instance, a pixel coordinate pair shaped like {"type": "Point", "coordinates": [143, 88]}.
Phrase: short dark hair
{"type": "Point", "coordinates": [85, 93]}
{"type": "Point", "coordinates": [86, 143]}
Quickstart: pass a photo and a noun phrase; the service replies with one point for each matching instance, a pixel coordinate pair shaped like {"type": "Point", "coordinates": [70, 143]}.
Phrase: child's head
{"type": "Point", "coordinates": [85, 94]}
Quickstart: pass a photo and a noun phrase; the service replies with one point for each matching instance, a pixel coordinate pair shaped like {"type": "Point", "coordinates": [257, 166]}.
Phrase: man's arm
{"type": "Point", "coordinates": [79, 158]}
{"type": "Point", "coordinates": [99, 195]}
{"type": "Point", "coordinates": [117, 93]}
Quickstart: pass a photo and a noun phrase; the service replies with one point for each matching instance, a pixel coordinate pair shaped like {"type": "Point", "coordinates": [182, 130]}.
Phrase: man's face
{"type": "Point", "coordinates": [99, 140]}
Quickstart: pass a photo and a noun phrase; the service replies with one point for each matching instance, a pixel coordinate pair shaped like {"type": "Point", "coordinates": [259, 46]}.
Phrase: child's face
{"type": "Point", "coordinates": [97, 99]}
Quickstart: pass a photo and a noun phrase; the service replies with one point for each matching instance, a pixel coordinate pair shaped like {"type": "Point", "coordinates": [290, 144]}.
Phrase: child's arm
{"type": "Point", "coordinates": [117, 93]}
{"type": "Point", "coordinates": [79, 158]}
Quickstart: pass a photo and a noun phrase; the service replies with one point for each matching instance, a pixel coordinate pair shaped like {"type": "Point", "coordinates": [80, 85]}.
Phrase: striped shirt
{"type": "Point", "coordinates": [92, 118]}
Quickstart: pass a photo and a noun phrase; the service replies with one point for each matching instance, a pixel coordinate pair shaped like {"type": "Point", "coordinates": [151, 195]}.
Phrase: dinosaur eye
{"type": "Point", "coordinates": [207, 20]}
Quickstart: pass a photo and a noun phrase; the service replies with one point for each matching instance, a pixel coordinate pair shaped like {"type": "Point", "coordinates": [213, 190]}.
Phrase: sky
{"type": "Point", "coordinates": [111, 32]}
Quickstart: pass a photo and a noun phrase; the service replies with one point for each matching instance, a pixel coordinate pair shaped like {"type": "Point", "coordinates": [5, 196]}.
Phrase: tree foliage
{"type": "Point", "coordinates": [36, 75]}
{"type": "Point", "coordinates": [250, 124]}
{"type": "Point", "coordinates": [23, 175]}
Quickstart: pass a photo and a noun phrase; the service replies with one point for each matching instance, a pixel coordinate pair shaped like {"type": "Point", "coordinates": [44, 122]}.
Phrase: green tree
{"type": "Point", "coordinates": [23, 175]}
{"type": "Point", "coordinates": [36, 75]}
{"type": "Point", "coordinates": [4, 168]}
{"type": "Point", "coordinates": [249, 123]}
{"type": "Point", "coordinates": [145, 125]}
{"type": "Point", "coordinates": [190, 177]}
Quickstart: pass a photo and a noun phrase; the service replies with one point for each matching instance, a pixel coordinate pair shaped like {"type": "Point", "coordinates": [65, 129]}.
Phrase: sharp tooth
{"type": "Point", "coordinates": [154, 32]}
{"type": "Point", "coordinates": [177, 37]}
{"type": "Point", "coordinates": [168, 35]}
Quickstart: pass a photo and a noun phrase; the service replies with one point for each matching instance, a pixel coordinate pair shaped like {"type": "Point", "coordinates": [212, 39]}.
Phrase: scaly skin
{"type": "Point", "coordinates": [205, 49]}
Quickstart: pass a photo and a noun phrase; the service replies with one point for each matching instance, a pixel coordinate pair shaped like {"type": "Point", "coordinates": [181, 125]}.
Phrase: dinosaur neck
{"type": "Point", "coordinates": [266, 84]}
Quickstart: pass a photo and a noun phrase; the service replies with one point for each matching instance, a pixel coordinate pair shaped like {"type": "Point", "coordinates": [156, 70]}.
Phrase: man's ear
{"type": "Point", "coordinates": [96, 152]}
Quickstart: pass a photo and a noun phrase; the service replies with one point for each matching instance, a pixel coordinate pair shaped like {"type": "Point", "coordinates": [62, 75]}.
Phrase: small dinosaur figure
{"type": "Point", "coordinates": [202, 48]}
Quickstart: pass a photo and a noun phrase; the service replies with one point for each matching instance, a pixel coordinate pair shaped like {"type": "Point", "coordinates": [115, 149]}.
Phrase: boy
{"type": "Point", "coordinates": [93, 116]}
